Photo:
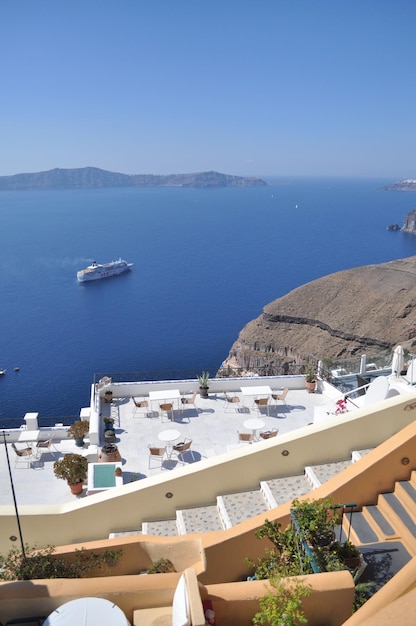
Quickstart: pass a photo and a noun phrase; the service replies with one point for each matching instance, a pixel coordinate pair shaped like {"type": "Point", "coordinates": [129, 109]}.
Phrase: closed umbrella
{"type": "Point", "coordinates": [398, 360]}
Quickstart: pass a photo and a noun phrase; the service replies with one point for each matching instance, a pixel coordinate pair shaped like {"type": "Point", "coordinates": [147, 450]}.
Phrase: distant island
{"type": "Point", "coordinates": [95, 178]}
{"type": "Point", "coordinates": [402, 185]}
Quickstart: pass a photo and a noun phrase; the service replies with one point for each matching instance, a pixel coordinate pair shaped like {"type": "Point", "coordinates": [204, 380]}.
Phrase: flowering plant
{"type": "Point", "coordinates": [341, 406]}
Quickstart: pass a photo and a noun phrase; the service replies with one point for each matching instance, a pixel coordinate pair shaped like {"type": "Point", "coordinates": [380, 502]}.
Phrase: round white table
{"type": "Point", "coordinates": [254, 424]}
{"type": "Point", "coordinates": [87, 612]}
{"type": "Point", "coordinates": [169, 436]}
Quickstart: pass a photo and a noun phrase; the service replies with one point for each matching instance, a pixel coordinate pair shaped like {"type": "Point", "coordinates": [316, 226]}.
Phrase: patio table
{"type": "Point", "coordinates": [254, 424]}
{"type": "Point", "coordinates": [256, 391]}
{"type": "Point", "coordinates": [168, 437]}
{"type": "Point", "coordinates": [29, 436]}
{"type": "Point", "coordinates": [164, 396]}
{"type": "Point", "coordinates": [87, 612]}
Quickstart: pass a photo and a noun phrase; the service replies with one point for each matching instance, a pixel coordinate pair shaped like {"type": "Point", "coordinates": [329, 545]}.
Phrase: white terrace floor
{"type": "Point", "coordinates": [211, 426]}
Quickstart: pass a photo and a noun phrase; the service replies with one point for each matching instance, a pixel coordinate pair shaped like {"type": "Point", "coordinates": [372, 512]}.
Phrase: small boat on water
{"type": "Point", "coordinates": [95, 271]}
{"type": "Point", "coordinates": [2, 371]}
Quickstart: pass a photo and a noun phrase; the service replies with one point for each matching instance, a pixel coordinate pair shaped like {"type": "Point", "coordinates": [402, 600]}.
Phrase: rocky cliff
{"type": "Point", "coordinates": [365, 310]}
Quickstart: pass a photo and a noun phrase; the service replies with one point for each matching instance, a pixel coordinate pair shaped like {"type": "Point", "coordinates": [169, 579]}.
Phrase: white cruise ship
{"type": "Point", "coordinates": [96, 270]}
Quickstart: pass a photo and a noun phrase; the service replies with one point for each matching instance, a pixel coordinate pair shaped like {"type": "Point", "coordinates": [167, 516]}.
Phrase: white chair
{"type": "Point", "coordinates": [245, 437]}
{"type": "Point", "coordinates": [167, 408]}
{"type": "Point", "coordinates": [262, 402]}
{"type": "Point", "coordinates": [45, 445]}
{"type": "Point", "coordinates": [24, 457]}
{"type": "Point", "coordinates": [281, 397]}
{"type": "Point", "coordinates": [156, 454]}
{"type": "Point", "coordinates": [268, 434]}
{"type": "Point", "coordinates": [139, 403]}
{"type": "Point", "coordinates": [179, 450]}
{"type": "Point", "coordinates": [232, 402]}
{"type": "Point", "coordinates": [186, 400]}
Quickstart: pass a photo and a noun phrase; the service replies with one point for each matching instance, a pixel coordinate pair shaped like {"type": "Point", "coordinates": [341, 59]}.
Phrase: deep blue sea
{"type": "Point", "coordinates": [206, 261]}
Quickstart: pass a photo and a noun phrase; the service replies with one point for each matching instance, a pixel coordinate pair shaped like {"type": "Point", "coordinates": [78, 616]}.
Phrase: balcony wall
{"type": "Point", "coordinates": [159, 496]}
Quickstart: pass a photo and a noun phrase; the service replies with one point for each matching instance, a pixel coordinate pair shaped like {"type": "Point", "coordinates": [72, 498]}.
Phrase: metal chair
{"type": "Point", "coordinates": [281, 397]}
{"type": "Point", "coordinates": [167, 408]}
{"type": "Point", "coordinates": [231, 402]}
{"type": "Point", "coordinates": [189, 399]}
{"type": "Point", "coordinates": [179, 449]}
{"type": "Point", "coordinates": [267, 434]}
{"type": "Point", "coordinates": [139, 403]}
{"type": "Point", "coordinates": [157, 454]}
{"type": "Point", "coordinates": [262, 402]}
{"type": "Point", "coordinates": [23, 456]}
{"type": "Point", "coordinates": [45, 445]}
{"type": "Point", "coordinates": [245, 437]}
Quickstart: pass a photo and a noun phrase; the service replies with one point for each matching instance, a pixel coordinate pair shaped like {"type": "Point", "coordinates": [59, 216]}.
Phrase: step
{"type": "Point", "coordinates": [242, 506]}
{"type": "Point", "coordinates": [361, 531]}
{"type": "Point", "coordinates": [356, 455]}
{"type": "Point", "coordinates": [124, 533]}
{"type": "Point", "coordinates": [288, 489]}
{"type": "Point", "coordinates": [400, 518]}
{"type": "Point", "coordinates": [198, 520]}
{"type": "Point", "coordinates": [407, 493]}
{"type": "Point", "coordinates": [319, 474]}
{"type": "Point", "coordinates": [375, 516]}
{"type": "Point", "coordinates": [165, 528]}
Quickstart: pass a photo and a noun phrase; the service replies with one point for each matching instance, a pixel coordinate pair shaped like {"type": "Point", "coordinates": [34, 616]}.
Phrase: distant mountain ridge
{"type": "Point", "coordinates": [95, 178]}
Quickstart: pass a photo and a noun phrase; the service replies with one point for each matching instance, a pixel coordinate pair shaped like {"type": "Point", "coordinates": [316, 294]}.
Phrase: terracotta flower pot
{"type": "Point", "coordinates": [76, 489]}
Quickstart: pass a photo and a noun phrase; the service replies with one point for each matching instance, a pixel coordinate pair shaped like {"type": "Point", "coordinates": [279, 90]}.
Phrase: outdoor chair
{"type": "Point", "coordinates": [245, 437]}
{"type": "Point", "coordinates": [24, 457]}
{"type": "Point", "coordinates": [139, 403]}
{"type": "Point", "coordinates": [156, 454]}
{"type": "Point", "coordinates": [185, 400]}
{"type": "Point", "coordinates": [262, 402]}
{"type": "Point", "coordinates": [45, 445]}
{"type": "Point", "coordinates": [267, 434]}
{"type": "Point", "coordinates": [167, 408]}
{"type": "Point", "coordinates": [231, 402]}
{"type": "Point", "coordinates": [179, 449]}
{"type": "Point", "coordinates": [281, 397]}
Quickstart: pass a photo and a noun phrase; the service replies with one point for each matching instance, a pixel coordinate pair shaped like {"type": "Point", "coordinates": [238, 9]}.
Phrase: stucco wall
{"type": "Point", "coordinates": [234, 604]}
{"type": "Point", "coordinates": [100, 514]}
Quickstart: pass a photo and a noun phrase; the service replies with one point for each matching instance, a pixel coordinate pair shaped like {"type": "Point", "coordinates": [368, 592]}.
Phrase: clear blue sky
{"type": "Point", "coordinates": [245, 87]}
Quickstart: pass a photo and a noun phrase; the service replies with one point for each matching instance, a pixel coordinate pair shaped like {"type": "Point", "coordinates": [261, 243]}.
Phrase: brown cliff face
{"type": "Point", "coordinates": [364, 310]}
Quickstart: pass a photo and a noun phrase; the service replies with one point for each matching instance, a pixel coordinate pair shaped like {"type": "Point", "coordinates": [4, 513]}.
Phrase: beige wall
{"type": "Point", "coordinates": [234, 604]}
{"type": "Point", "coordinates": [98, 515]}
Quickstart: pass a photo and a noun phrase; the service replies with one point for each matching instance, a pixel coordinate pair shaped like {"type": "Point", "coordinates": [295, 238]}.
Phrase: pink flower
{"type": "Point", "coordinates": [341, 406]}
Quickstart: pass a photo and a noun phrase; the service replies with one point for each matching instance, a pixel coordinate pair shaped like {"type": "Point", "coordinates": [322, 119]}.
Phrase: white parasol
{"type": "Point", "coordinates": [398, 360]}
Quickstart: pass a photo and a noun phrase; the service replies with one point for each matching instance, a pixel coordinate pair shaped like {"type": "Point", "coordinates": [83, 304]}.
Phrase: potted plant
{"type": "Point", "coordinates": [108, 423]}
{"type": "Point", "coordinates": [73, 468]}
{"type": "Point", "coordinates": [317, 520]}
{"type": "Point", "coordinates": [108, 396]}
{"type": "Point", "coordinates": [118, 471]}
{"type": "Point", "coordinates": [78, 430]}
{"type": "Point", "coordinates": [203, 380]}
{"type": "Point", "coordinates": [349, 554]}
{"type": "Point", "coordinates": [310, 377]}
{"type": "Point", "coordinates": [109, 433]}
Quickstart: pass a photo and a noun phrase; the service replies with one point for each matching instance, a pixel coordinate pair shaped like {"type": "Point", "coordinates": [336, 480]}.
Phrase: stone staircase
{"type": "Point", "coordinates": [234, 508]}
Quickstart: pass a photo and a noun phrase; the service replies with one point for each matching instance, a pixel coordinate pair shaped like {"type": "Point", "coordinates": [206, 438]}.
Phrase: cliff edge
{"type": "Point", "coordinates": [369, 310]}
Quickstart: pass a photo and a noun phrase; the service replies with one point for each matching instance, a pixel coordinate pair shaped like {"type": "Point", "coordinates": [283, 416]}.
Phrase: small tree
{"type": "Point", "coordinates": [282, 606]}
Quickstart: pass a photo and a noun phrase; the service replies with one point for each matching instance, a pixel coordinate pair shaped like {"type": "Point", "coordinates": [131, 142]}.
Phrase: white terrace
{"type": "Point", "coordinates": [219, 463]}
{"type": "Point", "coordinates": [211, 423]}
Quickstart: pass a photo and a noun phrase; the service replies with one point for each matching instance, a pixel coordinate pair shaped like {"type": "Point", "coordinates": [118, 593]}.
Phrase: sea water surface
{"type": "Point", "coordinates": [206, 261]}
